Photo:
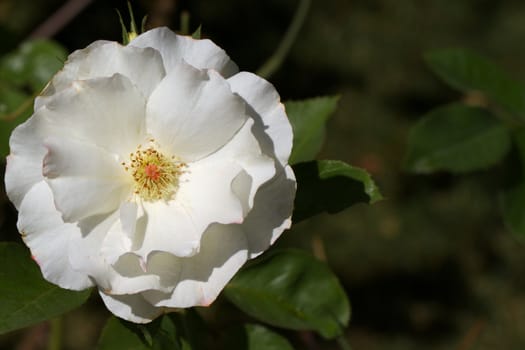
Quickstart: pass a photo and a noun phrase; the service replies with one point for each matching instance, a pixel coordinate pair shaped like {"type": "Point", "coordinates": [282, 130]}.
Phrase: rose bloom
{"type": "Point", "coordinates": [153, 171]}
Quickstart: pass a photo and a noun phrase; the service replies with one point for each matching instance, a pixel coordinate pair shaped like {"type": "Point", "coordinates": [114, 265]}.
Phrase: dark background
{"type": "Point", "coordinates": [432, 266]}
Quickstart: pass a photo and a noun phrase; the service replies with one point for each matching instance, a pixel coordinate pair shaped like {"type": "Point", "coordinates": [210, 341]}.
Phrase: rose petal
{"type": "Point", "coordinates": [85, 250]}
{"type": "Point", "coordinates": [133, 308]}
{"type": "Point", "coordinates": [24, 164]}
{"type": "Point", "coordinates": [122, 275]}
{"type": "Point", "coordinates": [107, 112]}
{"type": "Point", "coordinates": [193, 113]}
{"type": "Point", "coordinates": [177, 226]}
{"type": "Point", "coordinates": [203, 276]}
{"type": "Point", "coordinates": [263, 98]}
{"type": "Point", "coordinates": [271, 213]}
{"type": "Point", "coordinates": [75, 170]}
{"type": "Point", "coordinates": [142, 66]}
{"type": "Point", "coordinates": [202, 54]}
{"type": "Point", "coordinates": [49, 238]}
{"type": "Point", "coordinates": [258, 168]}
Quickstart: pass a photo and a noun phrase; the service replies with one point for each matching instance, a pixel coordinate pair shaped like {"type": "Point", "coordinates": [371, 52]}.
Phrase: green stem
{"type": "Point", "coordinates": [343, 343]}
{"type": "Point", "coordinates": [276, 60]}
{"type": "Point", "coordinates": [55, 337]}
{"type": "Point", "coordinates": [185, 23]}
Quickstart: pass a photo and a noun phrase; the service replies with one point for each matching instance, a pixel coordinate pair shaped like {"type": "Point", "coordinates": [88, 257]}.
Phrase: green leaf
{"type": "Point", "coordinates": [465, 70]}
{"type": "Point", "coordinates": [291, 289]}
{"type": "Point", "coordinates": [331, 186]}
{"type": "Point", "coordinates": [308, 119]}
{"type": "Point", "coordinates": [25, 297]}
{"type": "Point", "coordinates": [197, 33]}
{"type": "Point", "coordinates": [255, 337]}
{"type": "Point", "coordinates": [513, 199]}
{"type": "Point", "coordinates": [513, 207]}
{"type": "Point", "coordinates": [458, 139]}
{"type": "Point", "coordinates": [118, 334]}
{"type": "Point", "coordinates": [518, 137]}
{"type": "Point", "coordinates": [123, 29]}
{"type": "Point", "coordinates": [166, 335]}
{"type": "Point", "coordinates": [177, 331]}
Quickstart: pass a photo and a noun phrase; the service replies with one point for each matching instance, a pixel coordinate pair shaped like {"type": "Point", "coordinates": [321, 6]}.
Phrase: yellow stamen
{"type": "Point", "coordinates": [156, 176]}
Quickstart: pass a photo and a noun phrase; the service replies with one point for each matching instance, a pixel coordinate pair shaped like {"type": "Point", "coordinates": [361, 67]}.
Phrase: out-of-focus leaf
{"type": "Point", "coordinates": [177, 331]}
{"type": "Point", "coordinates": [25, 297]}
{"type": "Point", "coordinates": [331, 186]}
{"type": "Point", "coordinates": [308, 119]}
{"type": "Point", "coordinates": [15, 108]}
{"type": "Point", "coordinates": [118, 334]}
{"type": "Point", "coordinates": [291, 289]}
{"type": "Point", "coordinates": [513, 207]}
{"type": "Point", "coordinates": [465, 70]}
{"type": "Point", "coordinates": [166, 336]}
{"type": "Point", "coordinates": [33, 64]}
{"type": "Point", "coordinates": [513, 198]}
{"type": "Point", "coordinates": [255, 337]}
{"type": "Point", "coordinates": [23, 73]}
{"type": "Point", "coordinates": [458, 139]}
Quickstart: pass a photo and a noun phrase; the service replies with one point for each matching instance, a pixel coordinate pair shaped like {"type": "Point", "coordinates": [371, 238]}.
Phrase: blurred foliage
{"type": "Point", "coordinates": [23, 74]}
{"type": "Point", "coordinates": [458, 139]}
{"type": "Point", "coordinates": [21, 306]}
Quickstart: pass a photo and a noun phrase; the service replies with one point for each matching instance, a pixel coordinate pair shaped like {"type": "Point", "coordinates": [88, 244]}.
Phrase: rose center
{"type": "Point", "coordinates": [155, 175]}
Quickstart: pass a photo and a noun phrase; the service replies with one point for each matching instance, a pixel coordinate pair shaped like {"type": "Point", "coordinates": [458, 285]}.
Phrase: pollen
{"type": "Point", "coordinates": [155, 175]}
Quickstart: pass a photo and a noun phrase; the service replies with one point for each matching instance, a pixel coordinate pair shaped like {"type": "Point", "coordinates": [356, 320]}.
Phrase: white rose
{"type": "Point", "coordinates": [153, 171]}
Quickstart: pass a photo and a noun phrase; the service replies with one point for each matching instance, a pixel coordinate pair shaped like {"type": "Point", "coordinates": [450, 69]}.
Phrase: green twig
{"type": "Point", "coordinates": [276, 60]}
{"type": "Point", "coordinates": [22, 108]}
{"type": "Point", "coordinates": [185, 23]}
{"type": "Point", "coordinates": [55, 337]}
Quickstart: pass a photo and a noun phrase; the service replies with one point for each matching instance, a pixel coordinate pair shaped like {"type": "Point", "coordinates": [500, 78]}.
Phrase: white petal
{"type": "Point", "coordinates": [193, 112]}
{"type": "Point", "coordinates": [123, 275]}
{"type": "Point", "coordinates": [86, 180]}
{"type": "Point", "coordinates": [49, 238]}
{"type": "Point", "coordinates": [142, 66]}
{"type": "Point", "coordinates": [170, 228]}
{"type": "Point", "coordinates": [263, 98]}
{"type": "Point", "coordinates": [132, 308]}
{"type": "Point", "coordinates": [76, 56]}
{"type": "Point", "coordinates": [177, 226]}
{"type": "Point", "coordinates": [258, 168]}
{"type": "Point", "coordinates": [206, 192]}
{"type": "Point", "coordinates": [167, 266]}
{"type": "Point", "coordinates": [202, 54]}
{"type": "Point", "coordinates": [271, 213]}
{"type": "Point", "coordinates": [21, 174]}
{"type": "Point", "coordinates": [121, 236]}
{"type": "Point", "coordinates": [85, 251]}
{"type": "Point", "coordinates": [131, 278]}
{"type": "Point", "coordinates": [203, 276]}
{"type": "Point", "coordinates": [24, 164]}
{"type": "Point", "coordinates": [108, 112]}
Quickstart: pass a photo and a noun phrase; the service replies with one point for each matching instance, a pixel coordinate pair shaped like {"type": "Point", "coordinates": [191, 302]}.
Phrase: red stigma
{"type": "Point", "coordinates": [152, 171]}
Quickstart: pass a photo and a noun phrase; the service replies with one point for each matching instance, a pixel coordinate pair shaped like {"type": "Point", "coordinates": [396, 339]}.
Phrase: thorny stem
{"type": "Point", "coordinates": [276, 60]}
